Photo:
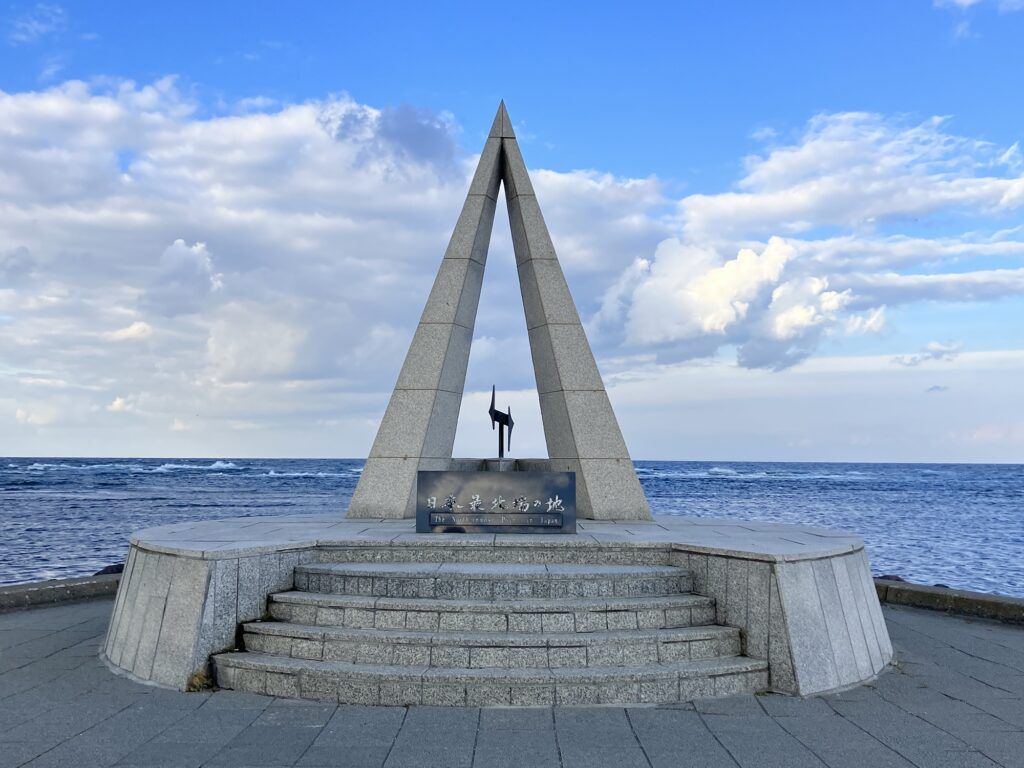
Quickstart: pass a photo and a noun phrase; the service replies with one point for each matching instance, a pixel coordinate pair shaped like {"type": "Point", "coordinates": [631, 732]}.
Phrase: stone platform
{"type": "Point", "coordinates": [370, 612]}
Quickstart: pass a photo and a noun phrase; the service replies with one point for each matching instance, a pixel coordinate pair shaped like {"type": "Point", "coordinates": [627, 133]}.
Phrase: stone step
{"type": "Point", "coordinates": [542, 615]}
{"type": "Point", "coordinates": [492, 649]}
{"type": "Point", "coordinates": [491, 581]}
{"type": "Point", "coordinates": [546, 549]}
{"type": "Point", "coordinates": [373, 685]}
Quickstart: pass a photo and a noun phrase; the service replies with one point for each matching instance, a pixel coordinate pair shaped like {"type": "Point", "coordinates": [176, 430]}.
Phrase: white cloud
{"type": "Point", "coordinates": [36, 415]}
{"type": "Point", "coordinates": [732, 280]}
{"type": "Point", "coordinates": [870, 322]}
{"type": "Point", "coordinates": [856, 170]}
{"type": "Point", "coordinates": [184, 280]}
{"type": "Point", "coordinates": [120, 405]}
{"type": "Point", "coordinates": [43, 20]}
{"type": "Point", "coordinates": [934, 350]}
{"type": "Point", "coordinates": [688, 292]}
{"type": "Point", "coordinates": [137, 330]}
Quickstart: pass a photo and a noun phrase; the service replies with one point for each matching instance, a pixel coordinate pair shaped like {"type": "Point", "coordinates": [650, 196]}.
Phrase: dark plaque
{"type": "Point", "coordinates": [496, 502]}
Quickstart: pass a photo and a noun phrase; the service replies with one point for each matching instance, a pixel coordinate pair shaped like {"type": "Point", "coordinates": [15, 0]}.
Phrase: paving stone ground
{"type": "Point", "coordinates": [955, 698]}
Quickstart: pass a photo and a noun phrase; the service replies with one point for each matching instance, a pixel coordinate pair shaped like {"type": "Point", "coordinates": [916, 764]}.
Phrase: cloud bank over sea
{"type": "Point", "coordinates": [179, 277]}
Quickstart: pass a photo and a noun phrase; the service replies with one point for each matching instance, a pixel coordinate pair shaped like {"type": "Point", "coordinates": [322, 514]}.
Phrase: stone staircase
{"type": "Point", "coordinates": [490, 626]}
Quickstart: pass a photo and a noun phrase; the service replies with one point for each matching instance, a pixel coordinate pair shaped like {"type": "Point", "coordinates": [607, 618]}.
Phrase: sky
{"type": "Point", "coordinates": [794, 232]}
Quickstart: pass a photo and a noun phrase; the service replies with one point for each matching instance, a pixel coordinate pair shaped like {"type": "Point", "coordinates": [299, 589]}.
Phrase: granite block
{"type": "Point", "coordinates": [702, 614]}
{"type": "Point", "coordinates": [592, 621]}
{"type": "Point", "coordinates": [571, 695]}
{"type": "Point", "coordinates": [490, 622]}
{"type": "Point", "coordinates": [594, 427]}
{"type": "Point", "coordinates": [558, 622]}
{"type": "Point", "coordinates": [729, 685]}
{"type": "Point", "coordinates": [677, 617]}
{"type": "Point", "coordinates": [423, 621]}
{"type": "Point", "coordinates": [401, 694]}
{"type": "Point", "coordinates": [677, 651]}
{"type": "Point", "coordinates": [756, 629]}
{"type": "Point", "coordinates": [659, 691]}
{"type": "Point", "coordinates": [545, 295]}
{"type": "Point", "coordinates": [449, 656]}
{"type": "Point", "coordinates": [426, 357]}
{"type": "Point", "coordinates": [567, 657]}
{"type": "Point", "coordinates": [545, 368]}
{"type": "Point", "coordinates": [389, 619]}
{"type": "Point", "coordinates": [611, 491]}
{"type": "Point", "coordinates": [127, 641]}
{"type": "Point", "coordinates": [360, 618]}
{"type": "Point", "coordinates": [780, 660]}
{"type": "Point", "coordinates": [456, 359]}
{"type": "Point", "coordinates": [519, 658]}
{"type": "Point", "coordinates": [307, 649]}
{"type": "Point", "coordinates": [403, 429]}
{"type": "Point", "coordinates": [251, 680]}
{"type": "Point", "coordinates": [533, 695]}
{"type": "Point", "coordinates": [848, 606]}
{"type": "Point", "coordinates": [691, 688]}
{"type": "Point", "coordinates": [488, 657]}
{"type": "Point", "coordinates": [874, 606]}
{"type": "Point", "coordinates": [451, 621]}
{"type": "Point", "coordinates": [576, 368]}
{"type": "Point", "coordinates": [472, 234]}
{"type": "Point", "coordinates": [357, 692]}
{"type": "Point", "coordinates": [656, 618]}
{"type": "Point", "coordinates": [530, 237]}
{"type": "Point", "coordinates": [407, 655]}
{"type": "Point", "coordinates": [699, 572]}
{"type": "Point", "coordinates": [453, 278]}
{"type": "Point", "coordinates": [321, 686]}
{"type": "Point", "coordinates": [487, 178]}
{"type": "Point", "coordinates": [375, 653]}
{"type": "Point", "coordinates": [488, 695]}
{"type": "Point", "coordinates": [339, 650]}
{"type": "Point", "coordinates": [717, 585]}
{"type": "Point", "coordinates": [151, 624]}
{"type": "Point", "coordinates": [279, 684]}
{"type": "Point", "coordinates": [436, 694]}
{"type": "Point", "coordinates": [524, 622]}
{"type": "Point", "coordinates": [811, 650]}
{"type": "Point", "coordinates": [861, 597]}
{"type": "Point", "coordinates": [835, 623]}
{"type": "Point", "coordinates": [736, 593]}
{"type": "Point", "coordinates": [179, 633]}
{"type": "Point", "coordinates": [382, 485]}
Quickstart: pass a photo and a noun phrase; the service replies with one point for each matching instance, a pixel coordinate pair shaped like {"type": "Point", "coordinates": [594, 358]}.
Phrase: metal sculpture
{"type": "Point", "coordinates": [502, 420]}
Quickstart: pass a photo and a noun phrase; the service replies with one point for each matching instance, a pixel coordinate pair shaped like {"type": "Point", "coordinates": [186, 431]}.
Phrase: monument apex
{"type": "Point", "coordinates": [417, 431]}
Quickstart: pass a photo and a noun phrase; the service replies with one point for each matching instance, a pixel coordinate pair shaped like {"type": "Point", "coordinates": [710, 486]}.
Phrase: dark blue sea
{"type": "Point", "coordinates": [956, 524]}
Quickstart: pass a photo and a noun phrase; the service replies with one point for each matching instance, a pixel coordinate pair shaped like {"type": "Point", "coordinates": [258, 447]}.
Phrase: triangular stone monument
{"type": "Point", "coordinates": [418, 428]}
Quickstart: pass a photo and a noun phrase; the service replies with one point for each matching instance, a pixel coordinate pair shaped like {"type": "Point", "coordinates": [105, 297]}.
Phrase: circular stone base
{"type": "Point", "coordinates": [370, 612]}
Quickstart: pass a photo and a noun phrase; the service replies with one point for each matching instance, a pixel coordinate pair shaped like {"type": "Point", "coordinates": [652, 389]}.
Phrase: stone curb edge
{"type": "Point", "coordinates": [41, 593]}
{"type": "Point", "coordinates": [958, 601]}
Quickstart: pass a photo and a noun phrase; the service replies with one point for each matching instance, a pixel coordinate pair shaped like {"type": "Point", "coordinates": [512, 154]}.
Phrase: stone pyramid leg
{"type": "Point", "coordinates": [580, 428]}
{"type": "Point", "coordinates": [418, 428]}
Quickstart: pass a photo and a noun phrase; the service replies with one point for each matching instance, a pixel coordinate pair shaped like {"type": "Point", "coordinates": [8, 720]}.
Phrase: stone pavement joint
{"type": "Point", "coordinates": [955, 698]}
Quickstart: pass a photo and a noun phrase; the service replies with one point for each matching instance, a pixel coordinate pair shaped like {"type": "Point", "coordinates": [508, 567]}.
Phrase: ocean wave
{"type": "Point", "coordinates": [169, 467]}
{"type": "Point", "coordinates": [272, 473]}
{"type": "Point", "coordinates": [43, 466]}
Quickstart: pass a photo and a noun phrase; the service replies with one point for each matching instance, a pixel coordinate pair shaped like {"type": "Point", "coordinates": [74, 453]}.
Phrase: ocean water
{"type": "Point", "coordinates": [956, 524]}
